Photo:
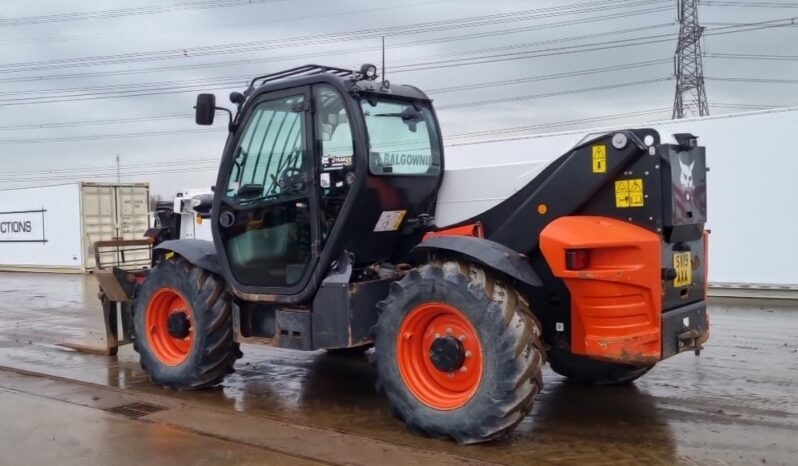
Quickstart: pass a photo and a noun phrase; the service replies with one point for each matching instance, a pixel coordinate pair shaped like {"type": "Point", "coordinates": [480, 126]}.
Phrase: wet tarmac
{"type": "Point", "coordinates": [735, 404]}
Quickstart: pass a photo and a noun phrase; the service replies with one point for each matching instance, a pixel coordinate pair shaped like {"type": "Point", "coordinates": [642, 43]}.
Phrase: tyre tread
{"type": "Point", "coordinates": [519, 345]}
{"type": "Point", "coordinates": [219, 349]}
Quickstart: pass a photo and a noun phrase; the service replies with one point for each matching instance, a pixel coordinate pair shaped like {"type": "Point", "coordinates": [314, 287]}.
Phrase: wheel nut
{"type": "Point", "coordinates": [461, 338]}
{"type": "Point", "coordinates": [464, 369]}
{"type": "Point", "coordinates": [437, 335]}
{"type": "Point", "coordinates": [468, 354]}
{"type": "Point", "coordinates": [450, 375]}
{"type": "Point", "coordinates": [407, 335]}
{"type": "Point", "coordinates": [449, 331]}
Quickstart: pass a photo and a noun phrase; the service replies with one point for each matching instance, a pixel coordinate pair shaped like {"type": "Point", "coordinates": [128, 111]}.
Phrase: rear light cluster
{"type": "Point", "coordinates": [577, 259]}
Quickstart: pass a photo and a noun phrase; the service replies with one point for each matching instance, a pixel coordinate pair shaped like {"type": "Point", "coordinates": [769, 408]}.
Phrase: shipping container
{"type": "Point", "coordinates": [53, 228]}
{"type": "Point", "coordinates": [751, 188]}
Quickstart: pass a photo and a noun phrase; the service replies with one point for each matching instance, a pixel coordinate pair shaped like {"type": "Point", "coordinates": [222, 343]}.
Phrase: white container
{"type": "Point", "coordinates": [53, 228]}
{"type": "Point", "coordinates": [751, 188]}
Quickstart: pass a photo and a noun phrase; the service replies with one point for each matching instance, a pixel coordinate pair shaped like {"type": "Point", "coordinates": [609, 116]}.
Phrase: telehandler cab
{"type": "Point", "coordinates": [323, 218]}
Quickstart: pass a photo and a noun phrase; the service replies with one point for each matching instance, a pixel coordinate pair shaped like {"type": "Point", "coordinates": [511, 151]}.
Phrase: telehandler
{"type": "Point", "coordinates": [324, 237]}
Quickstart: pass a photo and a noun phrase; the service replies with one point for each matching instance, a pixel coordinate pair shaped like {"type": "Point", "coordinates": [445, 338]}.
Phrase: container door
{"type": "Point", "coordinates": [98, 216]}
{"type": "Point", "coordinates": [133, 220]}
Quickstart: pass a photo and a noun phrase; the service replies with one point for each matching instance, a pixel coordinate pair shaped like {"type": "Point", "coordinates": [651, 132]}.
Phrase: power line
{"type": "Point", "coordinates": [225, 81]}
{"type": "Point", "coordinates": [501, 48]}
{"type": "Point", "coordinates": [754, 80]}
{"type": "Point", "coordinates": [528, 79]}
{"type": "Point", "coordinates": [106, 121]}
{"type": "Point", "coordinates": [438, 91]}
{"type": "Point", "coordinates": [172, 30]}
{"type": "Point", "coordinates": [182, 162]}
{"type": "Point", "coordinates": [394, 45]}
{"type": "Point", "coordinates": [747, 106]}
{"type": "Point", "coordinates": [605, 45]}
{"type": "Point", "coordinates": [212, 163]}
{"type": "Point", "coordinates": [750, 4]}
{"type": "Point", "coordinates": [751, 56]}
{"type": "Point", "coordinates": [416, 28]}
{"type": "Point", "coordinates": [107, 175]}
{"type": "Point", "coordinates": [212, 130]}
{"type": "Point", "coordinates": [518, 129]}
{"type": "Point", "coordinates": [636, 41]}
{"type": "Point", "coordinates": [111, 136]}
{"type": "Point", "coordinates": [550, 94]}
{"type": "Point", "coordinates": [135, 11]}
{"type": "Point", "coordinates": [492, 84]}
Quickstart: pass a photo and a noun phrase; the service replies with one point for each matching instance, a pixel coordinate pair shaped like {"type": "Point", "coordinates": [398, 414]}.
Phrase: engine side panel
{"type": "Point", "coordinates": [615, 301]}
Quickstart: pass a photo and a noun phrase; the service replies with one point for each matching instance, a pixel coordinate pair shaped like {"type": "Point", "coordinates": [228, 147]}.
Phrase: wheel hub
{"type": "Point", "coordinates": [447, 354]}
{"type": "Point", "coordinates": [178, 325]}
{"type": "Point", "coordinates": [439, 355]}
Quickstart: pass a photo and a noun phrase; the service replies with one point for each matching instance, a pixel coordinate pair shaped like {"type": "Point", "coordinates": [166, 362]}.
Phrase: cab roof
{"type": "Point", "coordinates": [346, 80]}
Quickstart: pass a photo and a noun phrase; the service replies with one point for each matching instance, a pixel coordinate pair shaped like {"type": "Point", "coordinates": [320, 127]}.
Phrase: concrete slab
{"type": "Point", "coordinates": [48, 431]}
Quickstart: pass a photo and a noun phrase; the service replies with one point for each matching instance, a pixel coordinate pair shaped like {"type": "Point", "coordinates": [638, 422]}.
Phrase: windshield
{"type": "Point", "coordinates": [403, 138]}
{"type": "Point", "coordinates": [270, 157]}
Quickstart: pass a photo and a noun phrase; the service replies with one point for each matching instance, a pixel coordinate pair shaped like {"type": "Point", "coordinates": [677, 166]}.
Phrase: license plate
{"type": "Point", "coordinates": [682, 263]}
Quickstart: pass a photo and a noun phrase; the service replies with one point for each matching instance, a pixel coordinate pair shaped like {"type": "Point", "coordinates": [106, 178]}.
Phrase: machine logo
{"type": "Point", "coordinates": [686, 178]}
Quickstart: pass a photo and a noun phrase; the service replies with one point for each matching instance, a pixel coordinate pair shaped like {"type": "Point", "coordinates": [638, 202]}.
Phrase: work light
{"type": "Point", "coordinates": [368, 71]}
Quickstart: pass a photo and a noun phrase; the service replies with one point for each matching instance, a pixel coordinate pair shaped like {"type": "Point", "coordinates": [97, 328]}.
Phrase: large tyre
{"type": "Point", "coordinates": [583, 370]}
{"type": "Point", "coordinates": [458, 354]}
{"type": "Point", "coordinates": [183, 329]}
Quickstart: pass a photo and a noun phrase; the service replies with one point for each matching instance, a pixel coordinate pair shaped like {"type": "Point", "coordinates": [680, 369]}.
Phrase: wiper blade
{"type": "Point", "coordinates": [405, 115]}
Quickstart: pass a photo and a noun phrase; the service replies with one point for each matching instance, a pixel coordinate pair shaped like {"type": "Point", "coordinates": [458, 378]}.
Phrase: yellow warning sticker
{"type": "Point", "coordinates": [629, 193]}
{"type": "Point", "coordinates": [600, 159]}
{"type": "Point", "coordinates": [636, 193]}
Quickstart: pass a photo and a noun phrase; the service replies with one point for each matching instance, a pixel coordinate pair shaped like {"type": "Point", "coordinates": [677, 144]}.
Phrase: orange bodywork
{"type": "Point", "coordinates": [472, 229]}
{"type": "Point", "coordinates": [616, 302]}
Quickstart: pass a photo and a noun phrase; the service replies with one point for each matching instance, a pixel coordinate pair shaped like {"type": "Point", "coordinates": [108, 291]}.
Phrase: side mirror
{"type": "Point", "coordinates": [205, 109]}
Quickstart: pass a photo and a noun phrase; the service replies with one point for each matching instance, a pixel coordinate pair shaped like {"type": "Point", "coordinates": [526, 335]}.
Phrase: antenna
{"type": "Point", "coordinates": [384, 81]}
{"type": "Point", "coordinates": [691, 97]}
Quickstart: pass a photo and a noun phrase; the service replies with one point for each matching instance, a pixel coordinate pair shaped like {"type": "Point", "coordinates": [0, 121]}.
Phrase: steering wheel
{"type": "Point", "coordinates": [289, 176]}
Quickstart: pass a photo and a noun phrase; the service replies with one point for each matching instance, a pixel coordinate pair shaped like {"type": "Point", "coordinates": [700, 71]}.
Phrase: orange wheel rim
{"type": "Point", "coordinates": [170, 347]}
{"type": "Point", "coordinates": [416, 344]}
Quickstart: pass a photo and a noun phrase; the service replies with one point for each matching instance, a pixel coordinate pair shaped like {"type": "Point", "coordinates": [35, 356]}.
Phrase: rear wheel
{"type": "Point", "coordinates": [183, 330]}
{"type": "Point", "coordinates": [581, 369]}
{"type": "Point", "coordinates": [458, 354]}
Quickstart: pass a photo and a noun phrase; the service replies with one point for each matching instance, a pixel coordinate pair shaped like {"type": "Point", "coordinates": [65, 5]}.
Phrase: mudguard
{"type": "Point", "coordinates": [488, 253]}
{"type": "Point", "coordinates": [200, 253]}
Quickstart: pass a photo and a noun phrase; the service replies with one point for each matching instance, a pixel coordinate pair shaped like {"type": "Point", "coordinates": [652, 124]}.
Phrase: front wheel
{"type": "Point", "coordinates": [183, 329]}
{"type": "Point", "coordinates": [458, 353]}
{"type": "Point", "coordinates": [584, 370]}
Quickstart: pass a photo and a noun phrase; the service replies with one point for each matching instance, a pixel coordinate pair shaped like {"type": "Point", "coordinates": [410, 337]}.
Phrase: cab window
{"type": "Point", "coordinates": [336, 154]}
{"type": "Point", "coordinates": [403, 138]}
{"type": "Point", "coordinates": [269, 158]}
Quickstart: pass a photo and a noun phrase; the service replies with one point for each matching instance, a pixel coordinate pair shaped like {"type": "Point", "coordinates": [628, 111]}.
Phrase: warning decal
{"type": "Point", "coordinates": [600, 159]}
{"type": "Point", "coordinates": [390, 220]}
{"type": "Point", "coordinates": [629, 193]}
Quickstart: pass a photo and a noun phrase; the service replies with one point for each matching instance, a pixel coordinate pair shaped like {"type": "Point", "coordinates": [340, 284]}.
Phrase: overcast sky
{"type": "Point", "coordinates": [64, 64]}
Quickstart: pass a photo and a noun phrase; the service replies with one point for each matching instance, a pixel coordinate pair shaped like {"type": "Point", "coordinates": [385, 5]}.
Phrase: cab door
{"type": "Point", "coordinates": [265, 217]}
